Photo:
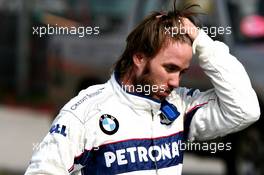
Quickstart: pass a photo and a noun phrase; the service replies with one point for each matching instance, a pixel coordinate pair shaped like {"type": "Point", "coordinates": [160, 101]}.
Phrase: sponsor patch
{"type": "Point", "coordinates": [58, 129]}
{"type": "Point", "coordinates": [108, 124]}
{"type": "Point", "coordinates": [84, 98]}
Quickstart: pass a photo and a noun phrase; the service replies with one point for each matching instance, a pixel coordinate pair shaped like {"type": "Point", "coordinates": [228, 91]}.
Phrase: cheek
{"type": "Point", "coordinates": [157, 74]}
{"type": "Point", "coordinates": [158, 77]}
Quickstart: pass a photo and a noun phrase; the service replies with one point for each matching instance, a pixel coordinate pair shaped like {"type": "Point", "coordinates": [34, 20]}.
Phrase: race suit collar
{"type": "Point", "coordinates": [134, 99]}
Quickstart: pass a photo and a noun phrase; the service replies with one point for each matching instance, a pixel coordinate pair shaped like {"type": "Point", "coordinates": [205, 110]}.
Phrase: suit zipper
{"type": "Point", "coordinates": [152, 140]}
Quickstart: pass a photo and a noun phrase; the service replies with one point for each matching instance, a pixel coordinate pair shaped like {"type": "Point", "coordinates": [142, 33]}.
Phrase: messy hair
{"type": "Point", "coordinates": [149, 37]}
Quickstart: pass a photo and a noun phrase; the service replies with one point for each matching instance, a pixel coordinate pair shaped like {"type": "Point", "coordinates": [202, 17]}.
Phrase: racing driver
{"type": "Point", "coordinates": [134, 123]}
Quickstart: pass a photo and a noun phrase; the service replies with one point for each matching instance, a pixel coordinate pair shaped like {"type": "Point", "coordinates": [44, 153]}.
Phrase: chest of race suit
{"type": "Point", "coordinates": [153, 151]}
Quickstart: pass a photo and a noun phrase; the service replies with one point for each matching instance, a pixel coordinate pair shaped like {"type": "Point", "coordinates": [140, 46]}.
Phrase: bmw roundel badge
{"type": "Point", "coordinates": [108, 124]}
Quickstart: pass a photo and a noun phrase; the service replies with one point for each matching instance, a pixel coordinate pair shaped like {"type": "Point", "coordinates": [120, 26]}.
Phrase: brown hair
{"type": "Point", "coordinates": [150, 36]}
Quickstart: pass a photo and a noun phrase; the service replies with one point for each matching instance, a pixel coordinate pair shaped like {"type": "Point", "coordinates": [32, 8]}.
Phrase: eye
{"type": "Point", "coordinates": [171, 68]}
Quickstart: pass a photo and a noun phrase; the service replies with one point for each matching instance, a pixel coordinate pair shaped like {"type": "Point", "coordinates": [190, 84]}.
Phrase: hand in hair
{"type": "Point", "coordinates": [189, 28]}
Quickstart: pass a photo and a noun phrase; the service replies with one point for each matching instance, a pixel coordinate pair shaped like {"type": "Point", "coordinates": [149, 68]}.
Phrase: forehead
{"type": "Point", "coordinates": [178, 53]}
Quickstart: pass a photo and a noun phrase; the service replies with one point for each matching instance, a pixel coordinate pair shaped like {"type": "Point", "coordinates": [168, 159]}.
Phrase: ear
{"type": "Point", "coordinates": [139, 60]}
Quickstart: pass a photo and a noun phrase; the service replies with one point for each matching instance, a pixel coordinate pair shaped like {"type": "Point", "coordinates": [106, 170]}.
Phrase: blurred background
{"type": "Point", "coordinates": [39, 74]}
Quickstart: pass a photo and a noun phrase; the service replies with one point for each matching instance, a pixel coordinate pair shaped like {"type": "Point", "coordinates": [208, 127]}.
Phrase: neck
{"type": "Point", "coordinates": [128, 83]}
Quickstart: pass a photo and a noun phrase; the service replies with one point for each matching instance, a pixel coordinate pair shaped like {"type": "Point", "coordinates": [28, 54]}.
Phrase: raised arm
{"type": "Point", "coordinates": [232, 104]}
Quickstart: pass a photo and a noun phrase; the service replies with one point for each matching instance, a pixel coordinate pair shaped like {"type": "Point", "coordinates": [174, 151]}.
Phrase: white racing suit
{"type": "Point", "coordinates": [105, 130]}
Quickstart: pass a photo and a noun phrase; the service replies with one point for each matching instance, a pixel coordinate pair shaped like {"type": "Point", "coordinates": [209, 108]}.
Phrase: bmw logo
{"type": "Point", "coordinates": [108, 124]}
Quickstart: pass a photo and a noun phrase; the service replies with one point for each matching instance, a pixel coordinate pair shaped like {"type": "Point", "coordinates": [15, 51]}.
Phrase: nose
{"type": "Point", "coordinates": [174, 81]}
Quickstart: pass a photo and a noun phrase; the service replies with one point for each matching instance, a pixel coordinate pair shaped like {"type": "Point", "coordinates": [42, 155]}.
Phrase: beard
{"type": "Point", "coordinates": [146, 79]}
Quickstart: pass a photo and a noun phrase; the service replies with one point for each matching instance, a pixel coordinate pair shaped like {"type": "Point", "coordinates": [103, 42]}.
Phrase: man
{"type": "Point", "coordinates": [135, 122]}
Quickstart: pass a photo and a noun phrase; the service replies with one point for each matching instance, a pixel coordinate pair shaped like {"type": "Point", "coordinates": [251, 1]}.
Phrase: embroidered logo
{"type": "Point", "coordinates": [108, 124]}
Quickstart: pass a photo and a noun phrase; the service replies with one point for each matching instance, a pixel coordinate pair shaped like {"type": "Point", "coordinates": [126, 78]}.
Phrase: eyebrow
{"type": "Point", "coordinates": [176, 67]}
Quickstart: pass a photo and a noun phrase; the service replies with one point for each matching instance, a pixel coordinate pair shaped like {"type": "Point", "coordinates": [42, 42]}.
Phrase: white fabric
{"type": "Point", "coordinates": [231, 106]}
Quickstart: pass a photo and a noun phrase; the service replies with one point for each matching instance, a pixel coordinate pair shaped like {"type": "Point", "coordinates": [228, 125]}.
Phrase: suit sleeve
{"type": "Point", "coordinates": [231, 105]}
{"type": "Point", "coordinates": [55, 154]}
